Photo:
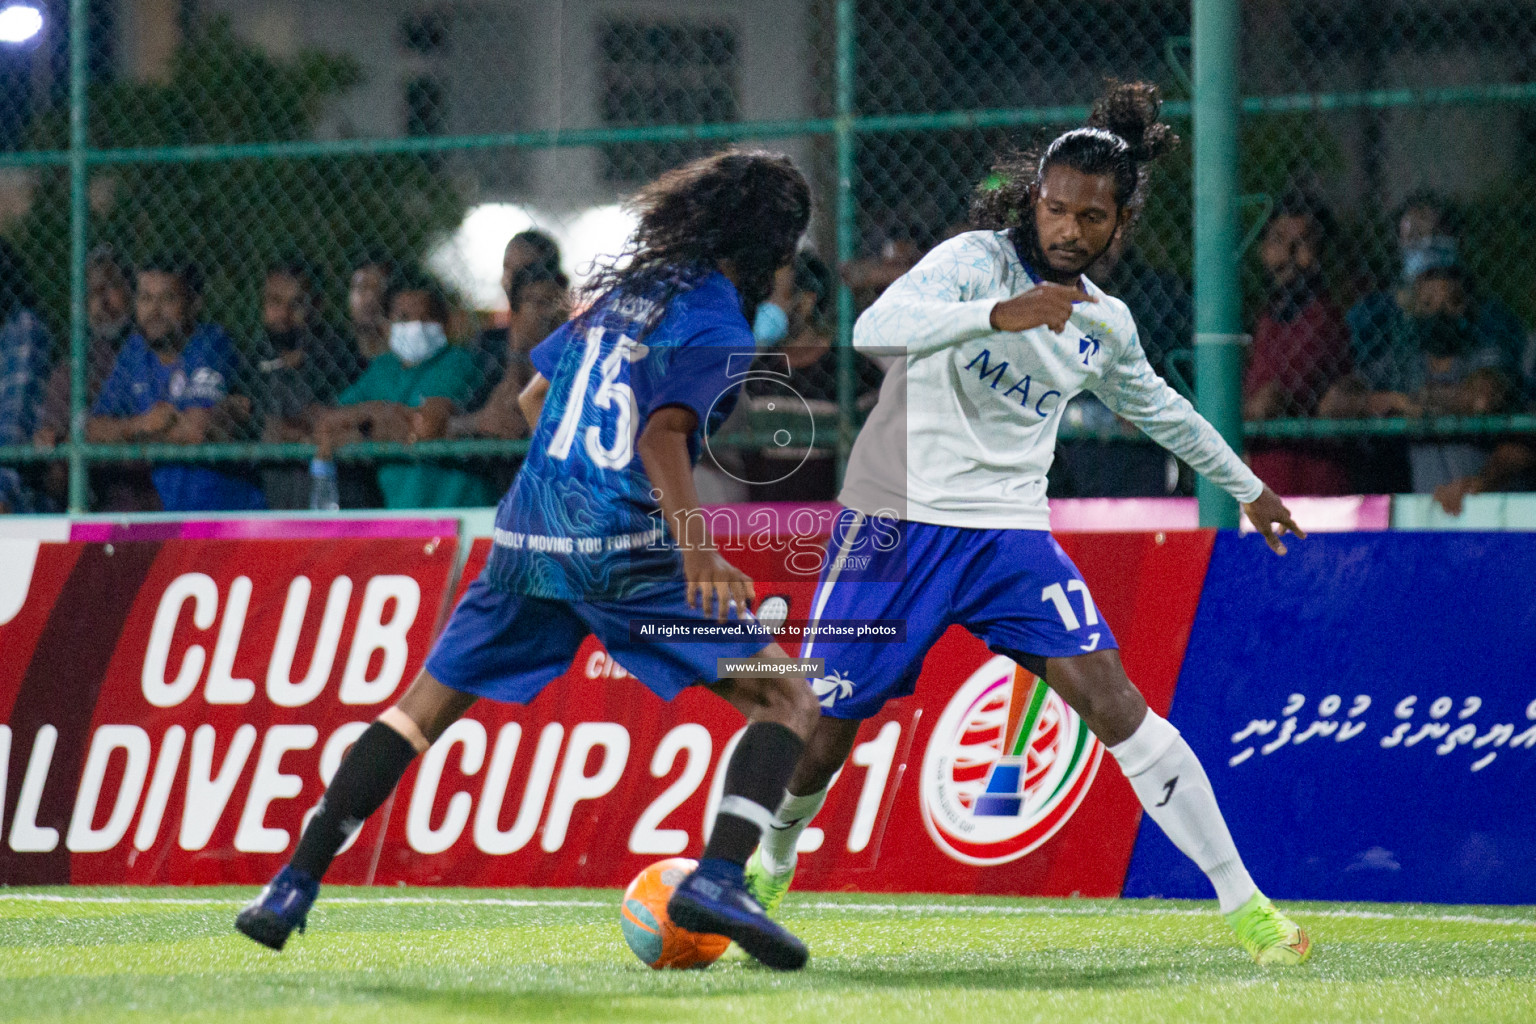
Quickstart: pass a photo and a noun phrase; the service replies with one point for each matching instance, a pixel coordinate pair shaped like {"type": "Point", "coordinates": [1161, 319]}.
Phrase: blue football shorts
{"type": "Point", "coordinates": [508, 646]}
{"type": "Point", "coordinates": [1016, 590]}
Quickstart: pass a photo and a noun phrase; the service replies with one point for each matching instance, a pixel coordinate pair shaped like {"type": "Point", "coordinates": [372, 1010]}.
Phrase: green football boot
{"type": "Point", "coordinates": [1268, 935]}
{"type": "Point", "coordinates": [765, 886]}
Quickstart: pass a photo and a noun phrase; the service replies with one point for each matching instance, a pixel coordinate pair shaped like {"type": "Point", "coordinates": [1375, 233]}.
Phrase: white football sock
{"type": "Point", "coordinates": [779, 838]}
{"type": "Point", "coordinates": [1176, 792]}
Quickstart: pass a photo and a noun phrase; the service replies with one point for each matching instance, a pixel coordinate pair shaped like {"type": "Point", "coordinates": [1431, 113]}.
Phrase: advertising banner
{"type": "Point", "coordinates": [171, 708]}
{"type": "Point", "coordinates": [1366, 710]}
{"type": "Point", "coordinates": [174, 710]}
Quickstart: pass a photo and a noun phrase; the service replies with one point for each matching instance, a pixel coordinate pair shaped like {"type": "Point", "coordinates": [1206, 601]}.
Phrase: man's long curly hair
{"type": "Point", "coordinates": [1122, 137]}
{"type": "Point", "coordinates": [746, 207]}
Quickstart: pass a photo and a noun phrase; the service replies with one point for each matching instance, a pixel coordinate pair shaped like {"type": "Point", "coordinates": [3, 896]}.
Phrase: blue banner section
{"type": "Point", "coordinates": [1366, 710]}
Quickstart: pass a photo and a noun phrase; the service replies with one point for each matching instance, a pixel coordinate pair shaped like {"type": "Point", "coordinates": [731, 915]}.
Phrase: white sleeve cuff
{"type": "Point", "coordinates": [1253, 490]}
{"type": "Point", "coordinates": [975, 318]}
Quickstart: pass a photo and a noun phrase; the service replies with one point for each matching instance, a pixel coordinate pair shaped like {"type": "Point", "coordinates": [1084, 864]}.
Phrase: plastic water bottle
{"type": "Point", "coordinates": [324, 494]}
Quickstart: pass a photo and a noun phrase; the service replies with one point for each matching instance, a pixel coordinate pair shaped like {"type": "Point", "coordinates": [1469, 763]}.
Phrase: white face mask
{"type": "Point", "coordinates": [415, 341]}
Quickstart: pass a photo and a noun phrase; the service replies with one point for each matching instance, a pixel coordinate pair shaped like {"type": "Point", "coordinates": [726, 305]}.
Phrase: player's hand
{"type": "Point", "coordinates": [1272, 519]}
{"type": "Point", "coordinates": [1045, 305]}
{"type": "Point", "coordinates": [715, 586]}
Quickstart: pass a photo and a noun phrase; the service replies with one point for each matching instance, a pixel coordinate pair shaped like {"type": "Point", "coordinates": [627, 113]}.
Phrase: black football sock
{"type": "Point", "coordinates": [363, 781]}
{"type": "Point", "coordinates": [754, 785]}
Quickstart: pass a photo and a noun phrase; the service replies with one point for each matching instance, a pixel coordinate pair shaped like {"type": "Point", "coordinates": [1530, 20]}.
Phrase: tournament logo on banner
{"type": "Point", "coordinates": [1007, 764]}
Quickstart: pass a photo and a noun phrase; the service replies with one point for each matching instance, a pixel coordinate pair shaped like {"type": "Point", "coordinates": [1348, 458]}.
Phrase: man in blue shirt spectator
{"type": "Point", "coordinates": [170, 384]}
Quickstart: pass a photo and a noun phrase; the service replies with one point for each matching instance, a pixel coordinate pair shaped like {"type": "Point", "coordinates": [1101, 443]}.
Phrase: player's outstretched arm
{"type": "Point", "coordinates": [1131, 388]}
{"type": "Point", "coordinates": [663, 449]}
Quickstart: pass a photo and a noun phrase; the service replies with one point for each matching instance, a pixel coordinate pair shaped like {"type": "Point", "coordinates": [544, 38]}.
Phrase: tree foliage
{"type": "Point", "coordinates": [234, 217]}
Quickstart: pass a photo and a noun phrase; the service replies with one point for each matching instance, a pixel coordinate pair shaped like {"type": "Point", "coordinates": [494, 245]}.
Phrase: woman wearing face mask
{"type": "Point", "coordinates": [420, 375]}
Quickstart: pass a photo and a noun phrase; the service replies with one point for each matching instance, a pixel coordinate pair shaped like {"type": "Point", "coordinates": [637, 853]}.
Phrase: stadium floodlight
{"type": "Point", "coordinates": [470, 258]}
{"type": "Point", "coordinates": [20, 23]}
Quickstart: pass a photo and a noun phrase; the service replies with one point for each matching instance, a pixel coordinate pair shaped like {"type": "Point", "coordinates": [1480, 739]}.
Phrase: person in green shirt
{"type": "Point", "coordinates": [421, 374]}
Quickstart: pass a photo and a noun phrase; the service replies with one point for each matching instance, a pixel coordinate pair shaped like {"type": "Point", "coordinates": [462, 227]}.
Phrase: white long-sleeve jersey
{"type": "Point", "coordinates": [965, 427]}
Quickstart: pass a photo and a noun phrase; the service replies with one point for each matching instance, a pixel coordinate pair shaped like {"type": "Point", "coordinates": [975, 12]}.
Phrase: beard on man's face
{"type": "Point", "coordinates": [1066, 263]}
{"type": "Point", "coordinates": [1068, 260]}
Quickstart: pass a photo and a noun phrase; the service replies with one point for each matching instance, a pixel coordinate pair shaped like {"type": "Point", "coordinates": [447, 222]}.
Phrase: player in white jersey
{"type": "Point", "coordinates": [996, 330]}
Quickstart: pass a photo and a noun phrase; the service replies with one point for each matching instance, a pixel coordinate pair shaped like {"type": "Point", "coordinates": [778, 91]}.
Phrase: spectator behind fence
{"type": "Point", "coordinates": [420, 374]}
{"type": "Point", "coordinates": [368, 293]}
{"type": "Point", "coordinates": [1300, 349]}
{"type": "Point", "coordinates": [24, 359]}
{"type": "Point", "coordinates": [1384, 341]}
{"type": "Point", "coordinates": [538, 295]}
{"type": "Point", "coordinates": [25, 352]}
{"type": "Point", "coordinates": [171, 384]}
{"type": "Point", "coordinates": [1511, 466]}
{"type": "Point", "coordinates": [796, 321]}
{"type": "Point", "coordinates": [297, 368]}
{"type": "Point", "coordinates": [492, 346]}
{"type": "Point", "coordinates": [869, 277]}
{"type": "Point", "coordinates": [109, 318]}
{"type": "Point", "coordinates": [1382, 326]}
{"type": "Point", "coordinates": [117, 487]}
{"type": "Point", "coordinates": [1453, 370]}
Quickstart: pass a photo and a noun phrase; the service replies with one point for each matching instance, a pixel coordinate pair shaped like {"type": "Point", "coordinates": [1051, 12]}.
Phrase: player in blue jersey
{"type": "Point", "coordinates": [994, 332]}
{"type": "Point", "coordinates": [622, 398]}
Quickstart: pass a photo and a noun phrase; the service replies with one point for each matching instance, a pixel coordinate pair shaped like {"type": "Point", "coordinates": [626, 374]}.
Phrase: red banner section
{"type": "Point", "coordinates": [174, 710]}
{"type": "Point", "coordinates": [173, 707]}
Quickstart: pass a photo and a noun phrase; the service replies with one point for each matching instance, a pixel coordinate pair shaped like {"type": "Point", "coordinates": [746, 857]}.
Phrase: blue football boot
{"type": "Point", "coordinates": [714, 901]}
{"type": "Point", "coordinates": [280, 908]}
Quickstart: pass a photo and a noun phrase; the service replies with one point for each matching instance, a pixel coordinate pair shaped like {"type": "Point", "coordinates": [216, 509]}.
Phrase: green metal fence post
{"type": "Point", "coordinates": [79, 211]}
{"type": "Point", "coordinates": [1218, 298]}
{"type": "Point", "coordinates": [846, 226]}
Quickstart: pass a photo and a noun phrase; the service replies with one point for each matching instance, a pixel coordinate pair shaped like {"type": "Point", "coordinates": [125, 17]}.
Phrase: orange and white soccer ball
{"type": "Point", "coordinates": [651, 933]}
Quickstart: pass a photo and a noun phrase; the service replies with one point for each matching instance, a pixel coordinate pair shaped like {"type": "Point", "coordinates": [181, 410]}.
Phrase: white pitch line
{"type": "Point", "coordinates": [1120, 910]}
{"type": "Point", "coordinates": [1131, 911]}
{"type": "Point", "coordinates": [181, 901]}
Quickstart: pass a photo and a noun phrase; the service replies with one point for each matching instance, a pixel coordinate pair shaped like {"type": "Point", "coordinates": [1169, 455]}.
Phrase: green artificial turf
{"type": "Point", "coordinates": [397, 955]}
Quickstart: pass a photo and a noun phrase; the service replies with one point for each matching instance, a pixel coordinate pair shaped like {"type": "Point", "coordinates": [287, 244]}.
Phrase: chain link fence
{"type": "Point", "coordinates": [222, 206]}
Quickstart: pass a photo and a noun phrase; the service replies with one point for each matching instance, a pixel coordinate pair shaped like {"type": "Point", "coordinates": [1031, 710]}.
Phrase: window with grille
{"type": "Point", "coordinates": [665, 73]}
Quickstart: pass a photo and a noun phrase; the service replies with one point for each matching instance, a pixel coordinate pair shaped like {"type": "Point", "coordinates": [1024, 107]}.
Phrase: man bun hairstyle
{"type": "Point", "coordinates": [1122, 137]}
{"type": "Point", "coordinates": [1131, 110]}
